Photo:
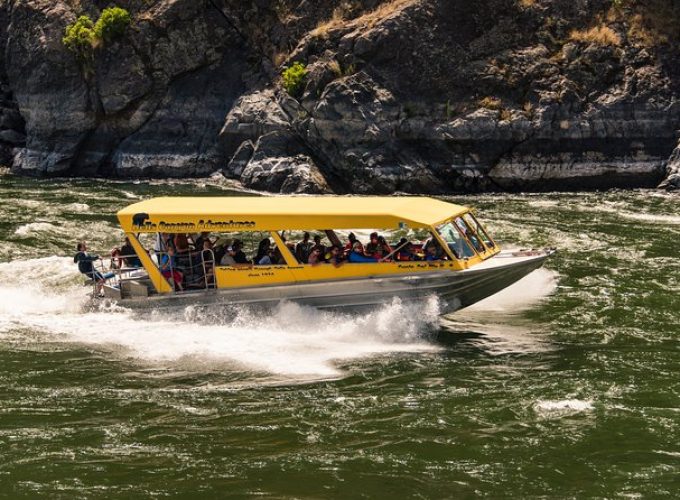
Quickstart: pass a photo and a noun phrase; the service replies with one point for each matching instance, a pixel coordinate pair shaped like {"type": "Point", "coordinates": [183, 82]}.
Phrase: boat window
{"type": "Point", "coordinates": [252, 249]}
{"type": "Point", "coordinates": [470, 235]}
{"type": "Point", "coordinates": [302, 243]}
{"type": "Point", "coordinates": [479, 230]}
{"type": "Point", "coordinates": [453, 237]}
{"type": "Point", "coordinates": [359, 245]}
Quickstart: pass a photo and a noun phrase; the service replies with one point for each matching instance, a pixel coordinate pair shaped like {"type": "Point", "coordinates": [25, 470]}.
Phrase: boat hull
{"type": "Point", "coordinates": [454, 289]}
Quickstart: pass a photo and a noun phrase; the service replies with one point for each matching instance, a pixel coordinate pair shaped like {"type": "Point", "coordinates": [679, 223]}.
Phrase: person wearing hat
{"type": "Point", "coordinates": [234, 256]}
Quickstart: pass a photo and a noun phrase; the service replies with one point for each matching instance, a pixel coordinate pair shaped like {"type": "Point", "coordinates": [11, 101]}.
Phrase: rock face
{"type": "Point", "coordinates": [427, 96]}
{"type": "Point", "coordinates": [672, 181]}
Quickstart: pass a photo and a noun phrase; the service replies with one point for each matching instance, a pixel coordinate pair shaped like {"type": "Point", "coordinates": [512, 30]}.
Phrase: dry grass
{"type": "Point", "coordinates": [601, 35]}
{"type": "Point", "coordinates": [335, 67]}
{"type": "Point", "coordinates": [639, 30]}
{"type": "Point", "coordinates": [528, 110]}
{"type": "Point", "coordinates": [505, 115]}
{"type": "Point", "coordinates": [493, 103]}
{"type": "Point", "coordinates": [367, 20]}
{"type": "Point", "coordinates": [324, 27]}
{"type": "Point", "coordinates": [384, 10]}
{"type": "Point", "coordinates": [657, 23]}
{"type": "Point", "coordinates": [279, 58]}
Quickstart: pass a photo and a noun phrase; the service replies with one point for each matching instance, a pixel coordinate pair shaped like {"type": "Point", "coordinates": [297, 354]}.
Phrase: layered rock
{"type": "Point", "coordinates": [431, 96]}
{"type": "Point", "coordinates": [12, 127]}
{"type": "Point", "coordinates": [672, 181]}
{"type": "Point", "coordinates": [150, 104]}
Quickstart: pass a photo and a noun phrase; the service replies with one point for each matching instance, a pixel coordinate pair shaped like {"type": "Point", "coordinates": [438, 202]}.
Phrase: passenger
{"type": "Point", "coordinates": [198, 241]}
{"type": "Point", "coordinates": [276, 257]}
{"type": "Point", "coordinates": [168, 242]}
{"type": "Point", "coordinates": [373, 248]}
{"type": "Point", "coordinates": [357, 254]}
{"type": "Point", "coordinates": [404, 251]}
{"type": "Point", "coordinates": [116, 259]}
{"type": "Point", "coordinates": [129, 254]}
{"type": "Point", "coordinates": [303, 249]}
{"type": "Point", "coordinates": [315, 257]}
{"type": "Point", "coordinates": [181, 243]}
{"type": "Point", "coordinates": [219, 248]}
{"type": "Point", "coordinates": [385, 249]}
{"type": "Point", "coordinates": [235, 257]}
{"type": "Point", "coordinates": [264, 253]}
{"type": "Point", "coordinates": [165, 241]}
{"type": "Point", "coordinates": [337, 256]}
{"type": "Point", "coordinates": [168, 269]}
{"type": "Point", "coordinates": [433, 251]}
{"type": "Point", "coordinates": [85, 266]}
{"type": "Point", "coordinates": [318, 245]}
{"type": "Point", "coordinates": [350, 244]}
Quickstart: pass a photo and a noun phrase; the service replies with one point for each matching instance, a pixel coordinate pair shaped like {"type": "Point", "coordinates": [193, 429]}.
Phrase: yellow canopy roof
{"type": "Point", "coordinates": [239, 213]}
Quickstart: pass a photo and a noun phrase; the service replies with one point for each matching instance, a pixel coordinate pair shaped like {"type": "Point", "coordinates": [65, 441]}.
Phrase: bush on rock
{"type": "Point", "coordinates": [112, 23]}
{"type": "Point", "coordinates": [79, 36]}
{"type": "Point", "coordinates": [294, 79]}
{"type": "Point", "coordinates": [83, 35]}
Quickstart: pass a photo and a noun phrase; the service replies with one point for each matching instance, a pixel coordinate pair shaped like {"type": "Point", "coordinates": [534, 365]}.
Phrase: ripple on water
{"type": "Point", "coordinates": [569, 388]}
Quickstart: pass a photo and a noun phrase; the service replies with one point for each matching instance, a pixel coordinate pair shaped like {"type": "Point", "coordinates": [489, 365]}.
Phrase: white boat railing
{"type": "Point", "coordinates": [197, 268]}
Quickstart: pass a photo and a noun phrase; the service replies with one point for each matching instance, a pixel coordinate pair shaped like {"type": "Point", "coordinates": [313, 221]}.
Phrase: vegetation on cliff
{"type": "Point", "coordinates": [294, 78]}
{"type": "Point", "coordinates": [347, 95]}
{"type": "Point", "coordinates": [84, 35]}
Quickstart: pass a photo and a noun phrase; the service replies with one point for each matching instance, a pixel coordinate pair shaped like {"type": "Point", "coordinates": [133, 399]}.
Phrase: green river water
{"type": "Point", "coordinates": [565, 385]}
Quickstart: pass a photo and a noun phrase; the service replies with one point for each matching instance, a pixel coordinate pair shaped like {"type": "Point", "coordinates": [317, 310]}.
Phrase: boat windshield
{"type": "Point", "coordinates": [458, 244]}
{"type": "Point", "coordinates": [479, 230]}
{"type": "Point", "coordinates": [470, 235]}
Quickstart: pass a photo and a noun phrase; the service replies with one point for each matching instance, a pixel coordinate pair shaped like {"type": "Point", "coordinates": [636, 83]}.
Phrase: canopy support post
{"type": "Point", "coordinates": [159, 282]}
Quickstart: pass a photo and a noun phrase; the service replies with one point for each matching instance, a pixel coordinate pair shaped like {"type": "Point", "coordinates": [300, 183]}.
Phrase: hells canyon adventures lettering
{"type": "Point", "coordinates": [141, 221]}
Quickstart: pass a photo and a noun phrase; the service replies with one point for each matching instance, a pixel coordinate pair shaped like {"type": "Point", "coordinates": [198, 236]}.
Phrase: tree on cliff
{"type": "Point", "coordinates": [84, 35]}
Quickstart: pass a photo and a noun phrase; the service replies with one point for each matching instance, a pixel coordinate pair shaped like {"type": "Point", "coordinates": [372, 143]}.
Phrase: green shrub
{"type": "Point", "coordinates": [79, 36]}
{"type": "Point", "coordinates": [294, 78]}
{"type": "Point", "coordinates": [83, 35]}
{"type": "Point", "coordinates": [111, 23]}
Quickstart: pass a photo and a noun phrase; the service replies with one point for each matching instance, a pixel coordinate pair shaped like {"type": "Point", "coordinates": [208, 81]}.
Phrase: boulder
{"type": "Point", "coordinates": [239, 161]}
{"type": "Point", "coordinates": [279, 164]}
{"type": "Point", "coordinates": [672, 180]}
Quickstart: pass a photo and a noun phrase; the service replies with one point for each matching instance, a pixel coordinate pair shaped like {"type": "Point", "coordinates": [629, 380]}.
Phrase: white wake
{"type": "Point", "coordinates": [46, 297]}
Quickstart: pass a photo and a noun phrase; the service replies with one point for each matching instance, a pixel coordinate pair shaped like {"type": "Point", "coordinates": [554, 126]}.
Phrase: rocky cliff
{"type": "Point", "coordinates": [431, 96]}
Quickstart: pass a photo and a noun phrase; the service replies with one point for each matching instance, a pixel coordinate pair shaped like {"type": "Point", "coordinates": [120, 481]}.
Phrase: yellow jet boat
{"type": "Point", "coordinates": [407, 247]}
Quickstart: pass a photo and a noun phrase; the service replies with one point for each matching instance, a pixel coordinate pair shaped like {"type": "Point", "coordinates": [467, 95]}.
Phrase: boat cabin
{"type": "Point", "coordinates": [255, 241]}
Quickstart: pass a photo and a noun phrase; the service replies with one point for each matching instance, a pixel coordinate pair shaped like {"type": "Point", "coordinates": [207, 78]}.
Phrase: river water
{"type": "Point", "coordinates": [565, 385]}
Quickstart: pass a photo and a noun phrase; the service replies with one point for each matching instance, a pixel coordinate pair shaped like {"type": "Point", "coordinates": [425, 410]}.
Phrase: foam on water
{"type": "Point", "coordinates": [291, 341]}
{"type": "Point", "coordinates": [35, 227]}
{"type": "Point", "coordinates": [563, 406]}
{"type": "Point", "coordinates": [76, 207]}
